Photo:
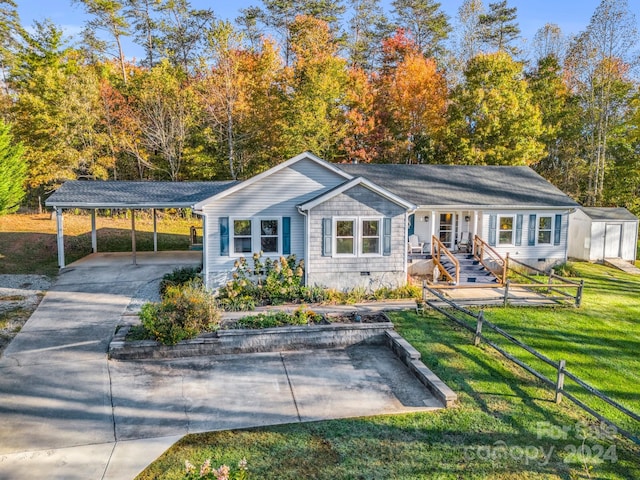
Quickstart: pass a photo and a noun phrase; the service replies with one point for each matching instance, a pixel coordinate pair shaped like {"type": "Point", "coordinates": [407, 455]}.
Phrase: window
{"type": "Point", "coordinates": [242, 236]}
{"type": "Point", "coordinates": [505, 236]}
{"type": "Point", "coordinates": [370, 244]}
{"type": "Point", "coordinates": [269, 236]}
{"type": "Point", "coordinates": [544, 230]}
{"type": "Point", "coordinates": [252, 235]}
{"type": "Point", "coordinates": [345, 237]}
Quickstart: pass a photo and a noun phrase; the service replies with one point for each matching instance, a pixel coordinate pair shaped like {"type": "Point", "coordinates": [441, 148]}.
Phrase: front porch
{"type": "Point", "coordinates": [454, 228]}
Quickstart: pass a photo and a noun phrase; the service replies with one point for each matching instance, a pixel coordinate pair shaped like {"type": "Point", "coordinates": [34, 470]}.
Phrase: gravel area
{"type": "Point", "coordinates": [19, 297]}
{"type": "Point", "coordinates": [149, 292]}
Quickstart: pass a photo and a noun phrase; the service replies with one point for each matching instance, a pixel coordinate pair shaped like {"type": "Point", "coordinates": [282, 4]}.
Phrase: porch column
{"type": "Point", "coordinates": [475, 230]}
{"type": "Point", "coordinates": [433, 230]}
{"type": "Point", "coordinates": [60, 236]}
{"type": "Point", "coordinates": [133, 236]}
{"type": "Point", "coordinates": [94, 236]}
{"type": "Point", "coordinates": [155, 231]}
{"type": "Point", "coordinates": [205, 268]}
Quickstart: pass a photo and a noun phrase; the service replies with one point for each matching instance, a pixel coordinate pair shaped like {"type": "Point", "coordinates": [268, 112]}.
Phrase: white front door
{"type": "Point", "coordinates": [447, 233]}
{"type": "Point", "coordinates": [612, 236]}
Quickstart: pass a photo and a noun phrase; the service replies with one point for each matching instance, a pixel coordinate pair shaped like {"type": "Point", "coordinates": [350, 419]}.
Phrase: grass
{"type": "Point", "coordinates": [505, 426]}
{"type": "Point", "coordinates": [28, 242]}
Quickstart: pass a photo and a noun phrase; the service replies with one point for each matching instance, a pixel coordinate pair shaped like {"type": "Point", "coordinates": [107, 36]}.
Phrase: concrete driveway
{"type": "Point", "coordinates": [67, 412]}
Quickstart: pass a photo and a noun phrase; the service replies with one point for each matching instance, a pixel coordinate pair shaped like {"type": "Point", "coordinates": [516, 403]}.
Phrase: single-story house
{"type": "Point", "coordinates": [601, 233]}
{"type": "Point", "coordinates": [351, 223]}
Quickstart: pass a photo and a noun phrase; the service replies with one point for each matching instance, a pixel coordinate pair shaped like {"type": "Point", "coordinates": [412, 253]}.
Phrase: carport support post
{"type": "Point", "coordinates": [155, 231]}
{"type": "Point", "coordinates": [133, 235]}
{"type": "Point", "coordinates": [94, 237]}
{"type": "Point", "coordinates": [60, 236]}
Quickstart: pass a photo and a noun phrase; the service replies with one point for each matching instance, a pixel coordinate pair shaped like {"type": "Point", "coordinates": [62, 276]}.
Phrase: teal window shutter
{"type": "Point", "coordinates": [327, 241]}
{"type": "Point", "coordinates": [493, 223]}
{"type": "Point", "coordinates": [557, 230]}
{"type": "Point", "coordinates": [224, 236]}
{"type": "Point", "coordinates": [532, 229]}
{"type": "Point", "coordinates": [412, 224]}
{"type": "Point", "coordinates": [386, 236]}
{"type": "Point", "coordinates": [519, 229]}
{"type": "Point", "coordinates": [286, 235]}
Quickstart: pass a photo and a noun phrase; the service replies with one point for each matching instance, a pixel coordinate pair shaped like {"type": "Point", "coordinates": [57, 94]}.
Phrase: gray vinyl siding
{"type": "Point", "coordinates": [538, 254]}
{"type": "Point", "coordinates": [344, 272]}
{"type": "Point", "coordinates": [274, 196]}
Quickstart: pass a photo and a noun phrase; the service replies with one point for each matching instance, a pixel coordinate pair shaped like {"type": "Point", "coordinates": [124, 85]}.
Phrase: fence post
{"type": "Point", "coordinates": [505, 268]}
{"type": "Point", "coordinates": [550, 282]}
{"type": "Point", "coordinates": [477, 337]}
{"type": "Point", "coordinates": [506, 293]}
{"type": "Point", "coordinates": [560, 383]}
{"type": "Point", "coordinates": [579, 293]}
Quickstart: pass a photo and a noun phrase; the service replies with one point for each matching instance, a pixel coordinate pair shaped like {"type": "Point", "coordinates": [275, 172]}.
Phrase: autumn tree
{"type": "Point", "coordinates": [411, 104]}
{"type": "Point", "coordinates": [361, 134]}
{"type": "Point", "coordinates": [598, 63]}
{"type": "Point", "coordinates": [13, 171]}
{"type": "Point", "coordinates": [561, 134]}
{"type": "Point", "coordinates": [315, 91]}
{"type": "Point", "coordinates": [493, 120]}
{"type": "Point", "coordinates": [165, 109]}
{"type": "Point", "coordinates": [55, 110]}
{"type": "Point", "coordinates": [425, 22]}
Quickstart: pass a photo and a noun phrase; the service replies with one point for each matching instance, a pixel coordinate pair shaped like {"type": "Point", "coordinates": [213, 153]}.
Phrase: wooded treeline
{"type": "Point", "coordinates": [210, 99]}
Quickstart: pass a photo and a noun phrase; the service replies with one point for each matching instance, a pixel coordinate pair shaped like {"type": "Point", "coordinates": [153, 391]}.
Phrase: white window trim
{"type": "Point", "coordinates": [334, 235]}
{"type": "Point", "coordinates": [357, 236]}
{"type": "Point", "coordinates": [550, 242]}
{"type": "Point", "coordinates": [499, 230]}
{"type": "Point", "coordinates": [361, 237]}
{"type": "Point", "coordinates": [256, 245]}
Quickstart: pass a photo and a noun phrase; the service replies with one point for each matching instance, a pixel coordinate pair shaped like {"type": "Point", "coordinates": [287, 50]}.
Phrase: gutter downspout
{"type": "Point", "coordinates": [306, 244]}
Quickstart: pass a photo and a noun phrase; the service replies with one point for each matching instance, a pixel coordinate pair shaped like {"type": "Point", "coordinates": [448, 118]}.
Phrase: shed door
{"type": "Point", "coordinates": [612, 236]}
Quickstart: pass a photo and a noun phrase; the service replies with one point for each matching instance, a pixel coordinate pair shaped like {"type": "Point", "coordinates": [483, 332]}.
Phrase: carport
{"type": "Point", "coordinates": [100, 195]}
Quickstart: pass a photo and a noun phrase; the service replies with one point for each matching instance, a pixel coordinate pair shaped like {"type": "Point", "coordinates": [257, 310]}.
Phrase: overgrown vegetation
{"type": "Point", "coordinates": [506, 425]}
{"type": "Point", "coordinates": [185, 311]}
{"type": "Point", "coordinates": [300, 316]}
{"type": "Point", "coordinates": [178, 277]}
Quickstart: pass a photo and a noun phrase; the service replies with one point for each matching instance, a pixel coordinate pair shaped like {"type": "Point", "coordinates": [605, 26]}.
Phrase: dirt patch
{"type": "Point", "coordinates": [19, 297]}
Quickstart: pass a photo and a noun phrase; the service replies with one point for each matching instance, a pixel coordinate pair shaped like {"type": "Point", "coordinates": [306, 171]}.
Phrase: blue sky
{"type": "Point", "coordinates": [572, 15]}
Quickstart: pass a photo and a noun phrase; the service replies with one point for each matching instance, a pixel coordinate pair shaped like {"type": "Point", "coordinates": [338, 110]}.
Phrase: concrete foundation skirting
{"type": "Point", "coordinates": [411, 358]}
{"type": "Point", "coordinates": [225, 342]}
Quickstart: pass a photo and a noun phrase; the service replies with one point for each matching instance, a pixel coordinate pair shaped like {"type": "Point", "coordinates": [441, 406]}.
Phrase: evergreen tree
{"type": "Point", "coordinates": [499, 27]}
{"type": "Point", "coordinates": [13, 171]}
{"type": "Point", "coordinates": [367, 28]}
{"type": "Point", "coordinates": [427, 24]}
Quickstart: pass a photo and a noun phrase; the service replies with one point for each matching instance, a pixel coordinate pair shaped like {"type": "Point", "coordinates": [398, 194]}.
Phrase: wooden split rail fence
{"type": "Point", "coordinates": [560, 367]}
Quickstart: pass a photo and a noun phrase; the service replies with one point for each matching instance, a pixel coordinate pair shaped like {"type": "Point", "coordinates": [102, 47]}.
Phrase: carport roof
{"type": "Point", "coordinates": [120, 194]}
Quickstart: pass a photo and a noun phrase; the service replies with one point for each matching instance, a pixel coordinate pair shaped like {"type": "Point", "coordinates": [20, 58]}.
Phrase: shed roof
{"type": "Point", "coordinates": [464, 185]}
{"type": "Point", "coordinates": [609, 213]}
{"type": "Point", "coordinates": [120, 194]}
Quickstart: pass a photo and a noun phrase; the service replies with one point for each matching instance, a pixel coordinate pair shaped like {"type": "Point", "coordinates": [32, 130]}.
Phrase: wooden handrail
{"type": "Point", "coordinates": [437, 248]}
{"type": "Point", "coordinates": [480, 247]}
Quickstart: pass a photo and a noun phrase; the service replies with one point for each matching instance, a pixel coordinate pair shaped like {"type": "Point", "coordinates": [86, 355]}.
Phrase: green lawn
{"type": "Point", "coordinates": [505, 426]}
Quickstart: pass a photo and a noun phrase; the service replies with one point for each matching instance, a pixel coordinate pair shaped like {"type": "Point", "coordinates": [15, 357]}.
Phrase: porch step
{"type": "Point", "coordinates": [471, 270]}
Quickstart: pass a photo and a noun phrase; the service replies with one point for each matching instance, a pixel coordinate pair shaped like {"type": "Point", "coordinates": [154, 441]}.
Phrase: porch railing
{"type": "Point", "coordinates": [438, 249]}
{"type": "Point", "coordinates": [490, 259]}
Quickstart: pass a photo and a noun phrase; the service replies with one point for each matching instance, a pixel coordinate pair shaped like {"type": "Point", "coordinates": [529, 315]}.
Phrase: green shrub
{"type": "Point", "coordinates": [301, 316]}
{"type": "Point", "coordinates": [269, 282]}
{"type": "Point", "coordinates": [179, 276]}
{"type": "Point", "coordinates": [566, 270]}
{"type": "Point", "coordinates": [185, 311]}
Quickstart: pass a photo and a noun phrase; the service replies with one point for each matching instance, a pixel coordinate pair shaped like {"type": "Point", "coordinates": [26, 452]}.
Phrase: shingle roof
{"type": "Point", "coordinates": [118, 194]}
{"type": "Point", "coordinates": [605, 214]}
{"type": "Point", "coordinates": [464, 185]}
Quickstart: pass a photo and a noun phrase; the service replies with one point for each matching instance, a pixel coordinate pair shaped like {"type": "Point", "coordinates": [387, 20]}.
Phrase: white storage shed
{"type": "Point", "coordinates": [599, 233]}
